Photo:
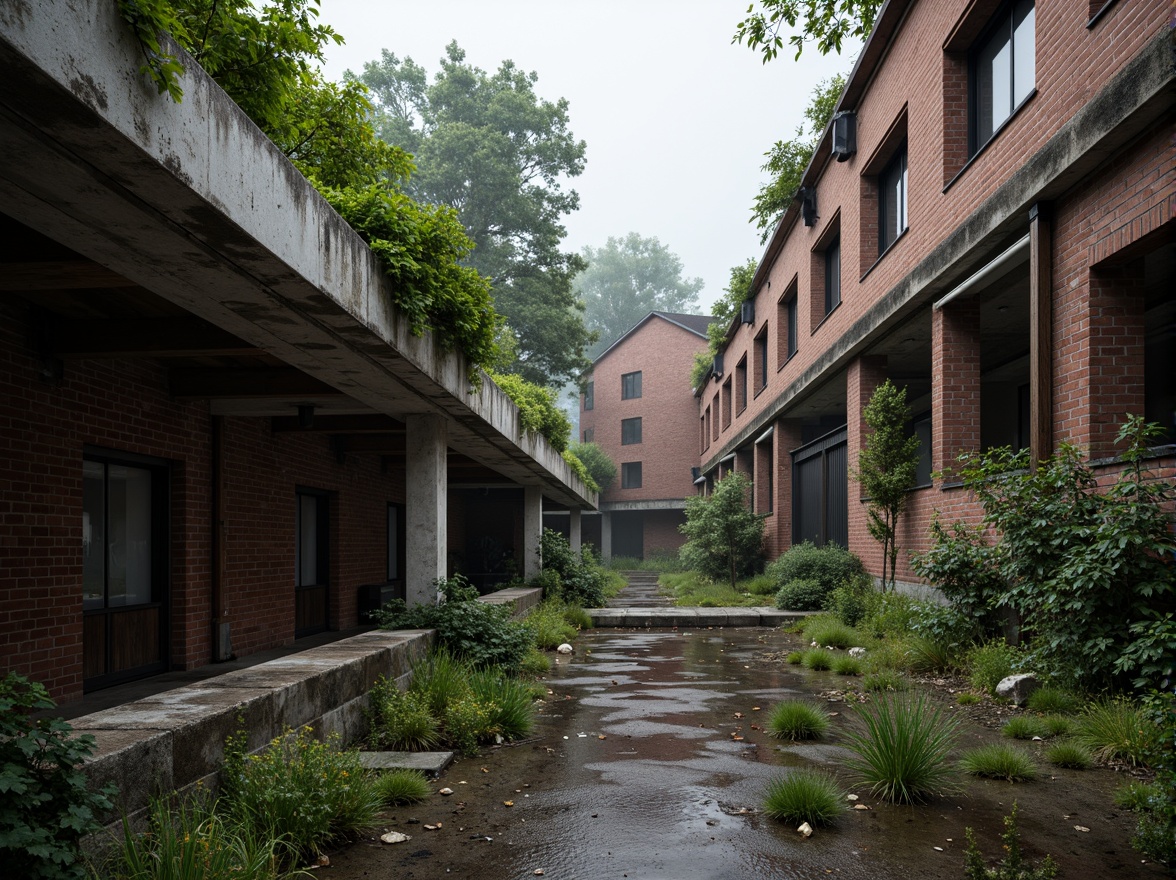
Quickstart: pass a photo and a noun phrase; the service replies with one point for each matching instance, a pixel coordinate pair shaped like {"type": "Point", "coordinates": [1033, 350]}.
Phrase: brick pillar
{"type": "Point", "coordinates": [788, 437]}
{"type": "Point", "coordinates": [955, 383]}
{"type": "Point", "coordinates": [863, 376]}
{"type": "Point", "coordinates": [1112, 382]}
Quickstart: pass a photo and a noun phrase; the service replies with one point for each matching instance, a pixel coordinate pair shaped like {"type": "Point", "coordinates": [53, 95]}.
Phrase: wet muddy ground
{"type": "Point", "coordinates": [648, 761]}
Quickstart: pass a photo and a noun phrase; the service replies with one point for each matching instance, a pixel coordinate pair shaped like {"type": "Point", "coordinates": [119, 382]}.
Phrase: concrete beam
{"type": "Point", "coordinates": [426, 525]}
{"type": "Point", "coordinates": [192, 203]}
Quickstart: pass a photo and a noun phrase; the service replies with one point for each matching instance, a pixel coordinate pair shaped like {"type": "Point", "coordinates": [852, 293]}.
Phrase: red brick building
{"type": "Point", "coordinates": [640, 410]}
{"type": "Point", "coordinates": [216, 433]}
{"type": "Point", "coordinates": [988, 221]}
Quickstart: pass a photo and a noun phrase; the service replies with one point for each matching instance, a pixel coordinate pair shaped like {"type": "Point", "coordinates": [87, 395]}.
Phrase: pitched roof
{"type": "Point", "coordinates": [695, 324]}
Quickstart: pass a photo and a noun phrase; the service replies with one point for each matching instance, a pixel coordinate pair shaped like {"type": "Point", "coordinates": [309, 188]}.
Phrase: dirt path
{"type": "Point", "coordinates": [648, 761]}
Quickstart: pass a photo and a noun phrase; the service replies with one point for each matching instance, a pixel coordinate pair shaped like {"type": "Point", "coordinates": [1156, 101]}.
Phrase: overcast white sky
{"type": "Point", "coordinates": [675, 116]}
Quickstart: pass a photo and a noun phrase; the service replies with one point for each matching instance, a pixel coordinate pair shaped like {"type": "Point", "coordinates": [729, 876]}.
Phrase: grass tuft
{"type": "Point", "coordinates": [535, 662]}
{"type": "Point", "coordinates": [1024, 727]}
{"type": "Point", "coordinates": [1049, 699]}
{"type": "Point", "coordinates": [902, 755]}
{"type": "Point", "coordinates": [804, 796]}
{"type": "Point", "coordinates": [928, 655]}
{"type": "Point", "coordinates": [1115, 730]}
{"type": "Point", "coordinates": [999, 761]}
{"type": "Point", "coordinates": [843, 664]}
{"type": "Point", "coordinates": [1057, 725]}
{"type": "Point", "coordinates": [795, 658]}
{"type": "Point", "coordinates": [797, 719]}
{"type": "Point", "coordinates": [967, 698]}
{"type": "Point", "coordinates": [398, 787]}
{"type": "Point", "coordinates": [1069, 754]}
{"type": "Point", "coordinates": [885, 680]}
{"type": "Point", "coordinates": [818, 659]}
{"type": "Point", "coordinates": [830, 632]}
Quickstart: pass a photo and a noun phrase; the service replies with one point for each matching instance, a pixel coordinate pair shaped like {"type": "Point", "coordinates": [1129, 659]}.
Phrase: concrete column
{"type": "Point", "coordinates": [605, 537]}
{"type": "Point", "coordinates": [1040, 334]}
{"type": "Point", "coordinates": [574, 529]}
{"type": "Point", "coordinates": [426, 488]}
{"type": "Point", "coordinates": [532, 531]}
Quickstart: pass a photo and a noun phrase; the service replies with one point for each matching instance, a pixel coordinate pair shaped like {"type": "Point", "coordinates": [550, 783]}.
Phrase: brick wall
{"type": "Point", "coordinates": [124, 406]}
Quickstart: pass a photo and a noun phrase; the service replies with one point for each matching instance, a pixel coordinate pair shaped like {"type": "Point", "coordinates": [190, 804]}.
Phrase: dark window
{"type": "Point", "coordinates": [631, 385]}
{"type": "Point", "coordinates": [892, 200]}
{"type": "Point", "coordinates": [589, 434]}
{"type": "Point", "coordinates": [311, 562]}
{"type": "Point", "coordinates": [921, 428]}
{"type": "Point", "coordinates": [395, 541]}
{"type": "Point", "coordinates": [790, 313]}
{"type": "Point", "coordinates": [1002, 71]}
{"type": "Point", "coordinates": [589, 391]}
{"type": "Point", "coordinates": [833, 275]}
{"type": "Point", "coordinates": [741, 385]}
{"type": "Point", "coordinates": [630, 431]}
{"type": "Point", "coordinates": [631, 475]}
{"type": "Point", "coordinates": [761, 360]}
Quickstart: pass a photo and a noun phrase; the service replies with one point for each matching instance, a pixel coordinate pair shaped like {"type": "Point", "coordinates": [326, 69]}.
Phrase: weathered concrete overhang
{"type": "Point", "coordinates": [658, 504]}
{"type": "Point", "coordinates": [192, 202]}
{"type": "Point", "coordinates": [1138, 97]}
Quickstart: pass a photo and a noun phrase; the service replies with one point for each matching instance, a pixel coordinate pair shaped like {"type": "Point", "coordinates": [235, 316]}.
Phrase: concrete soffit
{"type": "Point", "coordinates": [1137, 98]}
{"type": "Point", "coordinates": [193, 203]}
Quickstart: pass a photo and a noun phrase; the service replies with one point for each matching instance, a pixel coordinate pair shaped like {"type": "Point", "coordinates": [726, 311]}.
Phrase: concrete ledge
{"type": "Point", "coordinates": [175, 739]}
{"type": "Point", "coordinates": [523, 599]}
{"type": "Point", "coordinates": [666, 618]}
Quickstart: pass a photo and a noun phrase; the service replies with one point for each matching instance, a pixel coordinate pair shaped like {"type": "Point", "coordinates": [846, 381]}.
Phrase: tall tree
{"type": "Point", "coordinates": [887, 465]}
{"type": "Point", "coordinates": [787, 160]}
{"type": "Point", "coordinates": [628, 278]}
{"type": "Point", "coordinates": [489, 146]}
{"type": "Point", "coordinates": [825, 22]}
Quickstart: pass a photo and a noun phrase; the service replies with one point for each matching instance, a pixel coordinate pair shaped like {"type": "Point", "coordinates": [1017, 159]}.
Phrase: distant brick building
{"type": "Point", "coordinates": [989, 222]}
{"type": "Point", "coordinates": [639, 408]}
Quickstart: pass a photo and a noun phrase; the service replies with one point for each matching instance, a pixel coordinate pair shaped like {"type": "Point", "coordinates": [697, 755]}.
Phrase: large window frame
{"type": "Point", "coordinates": [631, 431]}
{"type": "Point", "coordinates": [832, 260]}
{"type": "Point", "coordinates": [631, 385]}
{"type": "Point", "coordinates": [631, 475]}
{"type": "Point", "coordinates": [312, 561]}
{"type": "Point", "coordinates": [589, 396]}
{"type": "Point", "coordinates": [892, 200]}
{"type": "Point", "coordinates": [1002, 72]}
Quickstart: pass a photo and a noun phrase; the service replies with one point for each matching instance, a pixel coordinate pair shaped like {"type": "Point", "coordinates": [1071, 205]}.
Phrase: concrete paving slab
{"type": "Point", "coordinates": [429, 763]}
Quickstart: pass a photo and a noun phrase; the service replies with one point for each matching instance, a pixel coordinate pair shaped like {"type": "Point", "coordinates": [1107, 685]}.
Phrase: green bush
{"type": "Point", "coordinates": [581, 581]}
{"type": "Point", "coordinates": [843, 664]}
{"type": "Point", "coordinates": [902, 755]}
{"type": "Point", "coordinates": [760, 585]}
{"type": "Point", "coordinates": [991, 662]}
{"type": "Point", "coordinates": [798, 719]}
{"type": "Point", "coordinates": [891, 615]}
{"type": "Point", "coordinates": [817, 659]}
{"type": "Point", "coordinates": [298, 790]}
{"type": "Point", "coordinates": [535, 662]}
{"type": "Point", "coordinates": [804, 796]}
{"type": "Point", "coordinates": [853, 600]}
{"type": "Point", "coordinates": [724, 537]}
{"type": "Point", "coordinates": [801, 594]}
{"type": "Point", "coordinates": [830, 566]}
{"type": "Point", "coordinates": [999, 761]}
{"type": "Point", "coordinates": [400, 721]}
{"type": "Point", "coordinates": [943, 624]}
{"type": "Point", "coordinates": [47, 807]}
{"type": "Point", "coordinates": [549, 625]}
{"type": "Point", "coordinates": [927, 655]}
{"type": "Point", "coordinates": [964, 567]}
{"type": "Point", "coordinates": [483, 634]}
{"type": "Point", "coordinates": [512, 713]}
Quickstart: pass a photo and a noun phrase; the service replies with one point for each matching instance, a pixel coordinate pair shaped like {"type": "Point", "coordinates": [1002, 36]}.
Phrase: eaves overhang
{"type": "Point", "coordinates": [193, 203]}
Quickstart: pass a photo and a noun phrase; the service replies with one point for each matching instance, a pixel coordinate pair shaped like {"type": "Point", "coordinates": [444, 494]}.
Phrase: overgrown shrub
{"type": "Point", "coordinates": [991, 662]}
{"type": "Point", "coordinates": [400, 721]}
{"type": "Point", "coordinates": [944, 624]}
{"type": "Point", "coordinates": [853, 600]}
{"type": "Point", "coordinates": [801, 594]}
{"type": "Point", "coordinates": [46, 806]}
{"type": "Point", "coordinates": [298, 790]}
{"type": "Point", "coordinates": [724, 537]}
{"type": "Point", "coordinates": [581, 581]}
{"type": "Point", "coordinates": [891, 615]}
{"type": "Point", "coordinates": [1086, 569]}
{"type": "Point", "coordinates": [829, 632]}
{"type": "Point", "coordinates": [1012, 866]}
{"type": "Point", "coordinates": [963, 565]}
{"type": "Point", "coordinates": [483, 634]}
{"type": "Point", "coordinates": [831, 566]}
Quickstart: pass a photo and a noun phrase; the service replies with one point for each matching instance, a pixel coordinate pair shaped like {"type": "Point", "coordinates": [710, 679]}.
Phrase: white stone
{"type": "Point", "coordinates": [394, 837]}
{"type": "Point", "coordinates": [857, 652]}
{"type": "Point", "coordinates": [806, 830]}
{"type": "Point", "coordinates": [565, 648]}
{"type": "Point", "coordinates": [1018, 687]}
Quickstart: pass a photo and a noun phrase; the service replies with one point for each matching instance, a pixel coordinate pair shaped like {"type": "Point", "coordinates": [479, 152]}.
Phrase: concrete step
{"type": "Point", "coordinates": [684, 618]}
